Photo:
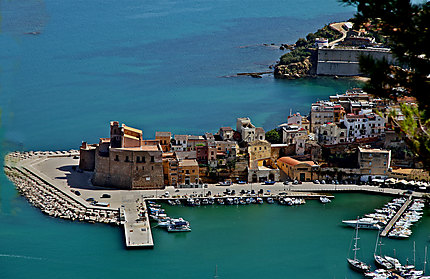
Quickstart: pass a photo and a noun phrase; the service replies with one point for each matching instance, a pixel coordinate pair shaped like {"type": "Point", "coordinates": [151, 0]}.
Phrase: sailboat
{"type": "Point", "coordinates": [379, 259]}
{"type": "Point", "coordinates": [355, 263]}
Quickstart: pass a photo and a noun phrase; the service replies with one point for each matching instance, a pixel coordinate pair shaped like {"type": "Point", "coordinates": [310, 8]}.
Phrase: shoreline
{"type": "Point", "coordinates": [47, 185]}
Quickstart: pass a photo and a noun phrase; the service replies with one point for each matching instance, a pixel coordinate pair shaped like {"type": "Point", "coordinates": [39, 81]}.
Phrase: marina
{"type": "Point", "coordinates": [394, 219]}
{"type": "Point", "coordinates": [131, 209]}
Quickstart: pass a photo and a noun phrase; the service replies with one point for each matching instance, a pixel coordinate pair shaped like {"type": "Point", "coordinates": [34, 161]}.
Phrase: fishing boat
{"type": "Point", "coordinates": [259, 200]}
{"type": "Point", "coordinates": [270, 200]}
{"type": "Point", "coordinates": [324, 199]}
{"type": "Point", "coordinates": [220, 201]}
{"type": "Point", "coordinates": [355, 263]}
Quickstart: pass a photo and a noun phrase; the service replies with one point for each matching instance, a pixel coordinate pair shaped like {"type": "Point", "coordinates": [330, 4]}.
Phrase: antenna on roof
{"type": "Point", "coordinates": [291, 111]}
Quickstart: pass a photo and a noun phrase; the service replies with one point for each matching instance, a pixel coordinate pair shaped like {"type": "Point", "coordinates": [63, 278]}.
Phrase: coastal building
{"type": "Point", "coordinates": [188, 171]}
{"type": "Point", "coordinates": [124, 136]}
{"type": "Point", "coordinates": [248, 131]}
{"type": "Point", "coordinates": [364, 125]}
{"type": "Point", "coordinates": [164, 138]}
{"type": "Point", "coordinates": [125, 160]}
{"type": "Point", "coordinates": [298, 170]}
{"type": "Point", "coordinates": [226, 133]}
{"type": "Point", "coordinates": [180, 143]}
{"type": "Point", "coordinates": [373, 162]}
{"type": "Point", "coordinates": [290, 133]}
{"type": "Point", "coordinates": [130, 168]}
{"type": "Point", "coordinates": [410, 174]}
{"type": "Point", "coordinates": [332, 134]}
{"type": "Point", "coordinates": [321, 113]}
{"type": "Point", "coordinates": [344, 61]}
{"type": "Point", "coordinates": [321, 42]}
{"type": "Point", "coordinates": [87, 156]}
{"type": "Point", "coordinates": [301, 144]}
{"type": "Point", "coordinates": [259, 152]}
{"type": "Point", "coordinates": [194, 141]}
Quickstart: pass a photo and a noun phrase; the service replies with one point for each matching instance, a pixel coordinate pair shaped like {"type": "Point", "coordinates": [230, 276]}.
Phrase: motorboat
{"type": "Point", "coordinates": [363, 223]}
{"type": "Point", "coordinates": [324, 199]}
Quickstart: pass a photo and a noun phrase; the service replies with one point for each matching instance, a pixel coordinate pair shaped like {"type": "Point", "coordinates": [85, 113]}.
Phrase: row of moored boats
{"type": "Point", "coordinates": [159, 215]}
{"type": "Point", "coordinates": [380, 218]}
{"type": "Point", "coordinates": [238, 201]}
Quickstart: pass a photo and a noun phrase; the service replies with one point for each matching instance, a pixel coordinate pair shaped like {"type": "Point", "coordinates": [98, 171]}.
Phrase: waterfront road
{"type": "Point", "coordinates": [62, 172]}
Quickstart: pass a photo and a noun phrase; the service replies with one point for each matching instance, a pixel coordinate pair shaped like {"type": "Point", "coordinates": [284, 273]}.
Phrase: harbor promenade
{"type": "Point", "coordinates": [55, 185]}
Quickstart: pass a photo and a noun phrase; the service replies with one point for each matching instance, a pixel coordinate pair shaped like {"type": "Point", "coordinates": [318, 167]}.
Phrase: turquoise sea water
{"type": "Point", "coordinates": [162, 65]}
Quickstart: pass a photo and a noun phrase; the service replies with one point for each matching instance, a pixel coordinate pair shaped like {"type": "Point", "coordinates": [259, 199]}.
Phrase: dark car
{"type": "Point", "coordinates": [90, 199]}
{"type": "Point", "coordinates": [105, 196]}
{"type": "Point", "coordinates": [77, 193]}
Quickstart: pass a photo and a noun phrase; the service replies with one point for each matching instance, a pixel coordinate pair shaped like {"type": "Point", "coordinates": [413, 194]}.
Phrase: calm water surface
{"type": "Point", "coordinates": [163, 65]}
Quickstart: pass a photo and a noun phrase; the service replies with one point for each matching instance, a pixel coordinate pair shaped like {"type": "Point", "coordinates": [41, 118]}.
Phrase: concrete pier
{"type": "Point", "coordinates": [137, 228]}
{"type": "Point", "coordinates": [396, 217]}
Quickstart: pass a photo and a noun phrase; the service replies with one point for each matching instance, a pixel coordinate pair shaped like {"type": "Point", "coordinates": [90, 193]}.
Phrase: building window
{"type": "Point", "coordinates": [137, 168]}
{"type": "Point", "coordinates": [126, 159]}
{"type": "Point", "coordinates": [143, 167]}
{"type": "Point", "coordinates": [152, 167]}
{"type": "Point", "coordinates": [152, 159]}
{"type": "Point", "coordinates": [194, 171]}
{"type": "Point", "coordinates": [138, 159]}
{"type": "Point", "coordinates": [143, 159]}
{"type": "Point", "coordinates": [116, 158]}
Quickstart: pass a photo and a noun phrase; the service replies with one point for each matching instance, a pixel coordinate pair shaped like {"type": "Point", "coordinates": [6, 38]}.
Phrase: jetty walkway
{"type": "Point", "coordinates": [396, 217]}
{"type": "Point", "coordinates": [137, 228]}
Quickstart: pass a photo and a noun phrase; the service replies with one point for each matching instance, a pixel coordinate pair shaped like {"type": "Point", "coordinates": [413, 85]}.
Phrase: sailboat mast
{"type": "Point", "coordinates": [425, 259]}
{"type": "Point", "coordinates": [414, 253]}
{"type": "Point", "coordinates": [356, 239]}
{"type": "Point", "coordinates": [376, 244]}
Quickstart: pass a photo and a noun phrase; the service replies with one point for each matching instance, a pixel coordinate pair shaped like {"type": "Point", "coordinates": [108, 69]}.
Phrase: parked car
{"type": "Point", "coordinates": [295, 182]}
{"type": "Point", "coordinates": [105, 196]}
{"type": "Point", "coordinates": [323, 181]}
{"type": "Point", "coordinates": [316, 181]}
{"type": "Point", "coordinates": [286, 182]}
{"type": "Point", "coordinates": [90, 199]}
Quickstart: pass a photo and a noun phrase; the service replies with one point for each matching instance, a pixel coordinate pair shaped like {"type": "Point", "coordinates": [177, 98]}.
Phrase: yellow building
{"type": "Point", "coordinates": [410, 174]}
{"type": "Point", "coordinates": [259, 152]}
{"type": "Point", "coordinates": [298, 170]}
{"type": "Point", "coordinates": [188, 171]}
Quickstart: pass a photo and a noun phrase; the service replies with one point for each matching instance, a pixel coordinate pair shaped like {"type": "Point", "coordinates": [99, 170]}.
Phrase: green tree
{"type": "Point", "coordinates": [273, 136]}
{"type": "Point", "coordinates": [301, 42]}
{"type": "Point", "coordinates": [406, 27]}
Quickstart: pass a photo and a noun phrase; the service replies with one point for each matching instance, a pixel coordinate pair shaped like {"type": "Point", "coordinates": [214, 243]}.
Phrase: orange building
{"type": "Point", "coordinates": [298, 170]}
{"type": "Point", "coordinates": [164, 138]}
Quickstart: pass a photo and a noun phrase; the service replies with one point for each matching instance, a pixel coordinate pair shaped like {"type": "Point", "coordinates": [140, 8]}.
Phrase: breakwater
{"type": "Point", "coordinates": [54, 202]}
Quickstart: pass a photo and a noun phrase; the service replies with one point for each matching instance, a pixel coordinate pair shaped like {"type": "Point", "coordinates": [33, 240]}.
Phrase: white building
{"type": "Point", "coordinates": [363, 126]}
{"type": "Point", "coordinates": [331, 134]}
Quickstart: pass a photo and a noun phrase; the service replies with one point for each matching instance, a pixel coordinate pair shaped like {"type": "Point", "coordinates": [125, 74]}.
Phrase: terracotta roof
{"type": "Point", "coordinates": [293, 162]}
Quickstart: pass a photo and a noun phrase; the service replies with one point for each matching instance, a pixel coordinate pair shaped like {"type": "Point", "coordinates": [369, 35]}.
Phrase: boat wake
{"type": "Point", "coordinates": [20, 256]}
